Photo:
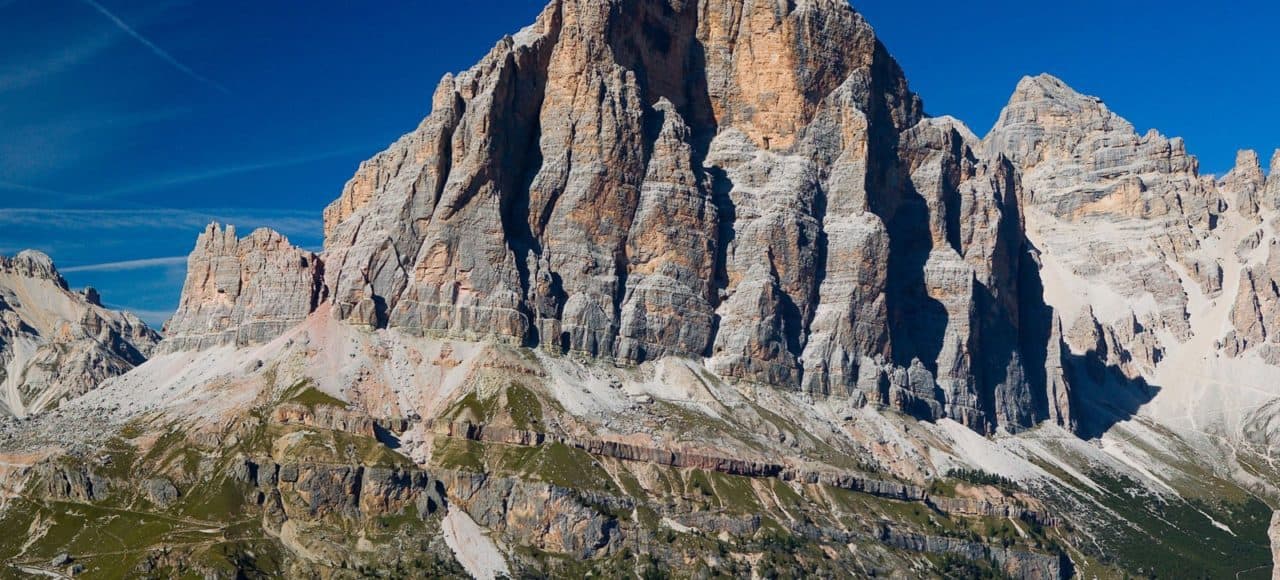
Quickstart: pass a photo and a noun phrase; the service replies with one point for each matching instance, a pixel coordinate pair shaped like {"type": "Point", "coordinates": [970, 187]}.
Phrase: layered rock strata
{"type": "Point", "coordinates": [242, 291]}
{"type": "Point", "coordinates": [635, 180]}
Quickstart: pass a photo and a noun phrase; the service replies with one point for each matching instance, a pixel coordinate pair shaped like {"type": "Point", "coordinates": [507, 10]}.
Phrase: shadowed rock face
{"type": "Point", "coordinates": [56, 344]}
{"type": "Point", "coordinates": [747, 181]}
{"type": "Point", "coordinates": [1275, 544]}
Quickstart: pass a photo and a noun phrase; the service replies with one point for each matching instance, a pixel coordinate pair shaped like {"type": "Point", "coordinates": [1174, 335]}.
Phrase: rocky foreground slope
{"type": "Point", "coordinates": [677, 288]}
{"type": "Point", "coordinates": [56, 344]}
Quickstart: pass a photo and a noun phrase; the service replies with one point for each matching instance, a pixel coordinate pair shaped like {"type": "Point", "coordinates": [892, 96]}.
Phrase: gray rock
{"type": "Point", "coordinates": [683, 195]}
{"type": "Point", "coordinates": [59, 344]}
{"type": "Point", "coordinates": [243, 291]}
{"type": "Point", "coordinates": [1139, 197]}
{"type": "Point", "coordinates": [160, 491]}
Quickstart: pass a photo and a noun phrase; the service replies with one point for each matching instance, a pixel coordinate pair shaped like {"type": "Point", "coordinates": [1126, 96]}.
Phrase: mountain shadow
{"type": "Point", "coordinates": [1103, 395]}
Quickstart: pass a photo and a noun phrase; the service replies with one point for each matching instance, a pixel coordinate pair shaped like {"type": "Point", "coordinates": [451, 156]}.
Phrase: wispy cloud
{"type": "Point", "coordinates": [35, 145]}
{"type": "Point", "coordinates": [11, 186]}
{"type": "Point", "coordinates": [159, 52]}
{"type": "Point", "coordinates": [302, 223]}
{"type": "Point", "coordinates": [202, 175]}
{"type": "Point", "coordinates": [128, 265]}
{"type": "Point", "coordinates": [32, 70]}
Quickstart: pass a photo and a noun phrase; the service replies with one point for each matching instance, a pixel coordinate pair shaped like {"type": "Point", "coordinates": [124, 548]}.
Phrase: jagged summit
{"type": "Point", "coordinates": [1045, 85]}
{"type": "Point", "coordinates": [33, 264]}
{"type": "Point", "coordinates": [56, 344]}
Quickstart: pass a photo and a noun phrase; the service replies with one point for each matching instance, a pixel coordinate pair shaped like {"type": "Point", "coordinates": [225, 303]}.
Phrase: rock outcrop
{"type": "Point", "coordinates": [75, 483]}
{"type": "Point", "coordinates": [1164, 276]}
{"type": "Point", "coordinates": [349, 492]}
{"type": "Point", "coordinates": [243, 291]}
{"type": "Point", "coordinates": [636, 180]}
{"type": "Point", "coordinates": [1255, 314]}
{"type": "Point", "coordinates": [1012, 563]}
{"type": "Point", "coordinates": [632, 181]}
{"type": "Point", "coordinates": [56, 344]}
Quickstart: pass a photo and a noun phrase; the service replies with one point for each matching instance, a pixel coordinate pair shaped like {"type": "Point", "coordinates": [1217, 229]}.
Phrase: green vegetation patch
{"type": "Point", "coordinates": [980, 477]}
{"type": "Point", "coordinates": [559, 464]}
{"type": "Point", "coordinates": [108, 542]}
{"type": "Point", "coordinates": [556, 463]}
{"type": "Point", "coordinates": [305, 394]}
{"type": "Point", "coordinates": [517, 401]}
{"type": "Point", "coordinates": [736, 494]}
{"type": "Point", "coordinates": [459, 454]}
{"type": "Point", "coordinates": [307, 445]}
{"type": "Point", "coordinates": [472, 408]}
{"type": "Point", "coordinates": [217, 500]}
{"type": "Point", "coordinates": [524, 407]}
{"type": "Point", "coordinates": [1176, 538]}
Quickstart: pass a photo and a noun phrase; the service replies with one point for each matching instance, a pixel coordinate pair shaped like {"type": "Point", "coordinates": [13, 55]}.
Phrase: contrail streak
{"type": "Point", "coordinates": [128, 265]}
{"type": "Point", "coordinates": [159, 52]}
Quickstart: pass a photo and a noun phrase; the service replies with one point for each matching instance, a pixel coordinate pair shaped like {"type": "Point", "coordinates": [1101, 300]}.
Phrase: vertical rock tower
{"type": "Point", "coordinates": [746, 181]}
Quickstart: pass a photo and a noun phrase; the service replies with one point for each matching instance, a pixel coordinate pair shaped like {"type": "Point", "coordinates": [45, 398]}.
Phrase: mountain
{"type": "Point", "coordinates": [56, 344]}
{"type": "Point", "coordinates": [676, 288]}
{"type": "Point", "coordinates": [1164, 274]}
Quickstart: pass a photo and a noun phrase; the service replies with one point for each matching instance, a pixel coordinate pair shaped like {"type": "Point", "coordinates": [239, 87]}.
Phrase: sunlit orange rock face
{"type": "Point", "coordinates": [743, 181]}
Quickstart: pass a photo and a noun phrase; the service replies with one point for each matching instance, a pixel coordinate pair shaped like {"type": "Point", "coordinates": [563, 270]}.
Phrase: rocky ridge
{"type": "Point", "coordinates": [578, 193]}
{"type": "Point", "coordinates": [1174, 283]}
{"type": "Point", "coordinates": [57, 344]}
{"type": "Point", "coordinates": [629, 181]}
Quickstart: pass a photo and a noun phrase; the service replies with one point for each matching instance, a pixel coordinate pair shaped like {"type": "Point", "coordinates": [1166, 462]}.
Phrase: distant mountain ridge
{"type": "Point", "coordinates": [56, 344]}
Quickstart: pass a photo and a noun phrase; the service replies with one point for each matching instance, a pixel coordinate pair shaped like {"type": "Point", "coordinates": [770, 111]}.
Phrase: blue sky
{"type": "Point", "coordinates": [126, 125]}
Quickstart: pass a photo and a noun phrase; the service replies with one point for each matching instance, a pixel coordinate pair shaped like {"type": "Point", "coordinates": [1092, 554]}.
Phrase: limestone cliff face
{"type": "Point", "coordinates": [57, 344]}
{"type": "Point", "coordinates": [742, 180]}
{"type": "Point", "coordinates": [242, 291]}
{"type": "Point", "coordinates": [1139, 198]}
{"type": "Point", "coordinates": [1255, 312]}
{"type": "Point", "coordinates": [1163, 275]}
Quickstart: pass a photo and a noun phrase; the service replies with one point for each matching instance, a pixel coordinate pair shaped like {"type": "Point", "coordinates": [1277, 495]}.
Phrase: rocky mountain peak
{"type": "Point", "coordinates": [722, 179]}
{"type": "Point", "coordinates": [1045, 86]}
{"type": "Point", "coordinates": [33, 264]}
{"type": "Point", "coordinates": [1247, 171]}
{"type": "Point", "coordinates": [1271, 195]}
{"type": "Point", "coordinates": [655, 272]}
{"type": "Point", "coordinates": [56, 344]}
{"type": "Point", "coordinates": [635, 180]}
{"type": "Point", "coordinates": [1245, 183]}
